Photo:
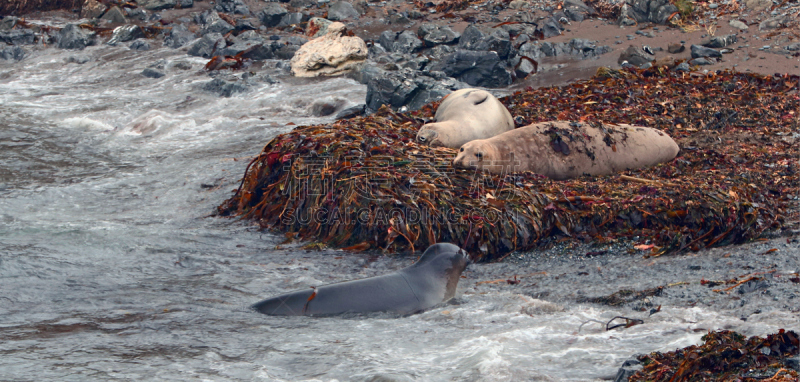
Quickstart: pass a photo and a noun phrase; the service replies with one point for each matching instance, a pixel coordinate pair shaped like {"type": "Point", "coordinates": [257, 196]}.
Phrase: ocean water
{"type": "Point", "coordinates": [112, 269]}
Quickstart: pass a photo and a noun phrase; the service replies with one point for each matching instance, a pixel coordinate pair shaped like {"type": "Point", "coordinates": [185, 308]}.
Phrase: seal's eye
{"type": "Point", "coordinates": [462, 149]}
{"type": "Point", "coordinates": [479, 155]}
{"type": "Point", "coordinates": [422, 139]}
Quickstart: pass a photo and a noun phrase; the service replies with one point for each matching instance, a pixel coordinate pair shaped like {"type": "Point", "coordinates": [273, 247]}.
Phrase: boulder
{"type": "Point", "coordinates": [292, 19]}
{"type": "Point", "coordinates": [125, 33]}
{"type": "Point", "coordinates": [11, 53]}
{"type": "Point", "coordinates": [178, 36]}
{"type": "Point", "coordinates": [332, 54]}
{"type": "Point", "coordinates": [140, 44]}
{"type": "Point", "coordinates": [206, 47]}
{"type": "Point", "coordinates": [74, 37]}
{"type": "Point", "coordinates": [218, 26]}
{"type": "Point", "coordinates": [635, 56]}
{"type": "Point", "coordinates": [92, 9]}
{"type": "Point", "coordinates": [484, 69]}
{"type": "Point", "coordinates": [342, 10]}
{"type": "Point", "coordinates": [114, 15]}
{"type": "Point", "coordinates": [475, 39]}
{"type": "Point", "coordinates": [225, 87]}
{"type": "Point", "coordinates": [577, 10]}
{"type": "Point", "coordinates": [8, 23]}
{"type": "Point", "coordinates": [432, 34]}
{"type": "Point", "coordinates": [720, 41]}
{"type": "Point", "coordinates": [18, 37]}
{"type": "Point", "coordinates": [407, 88]}
{"type": "Point", "coordinates": [701, 51]}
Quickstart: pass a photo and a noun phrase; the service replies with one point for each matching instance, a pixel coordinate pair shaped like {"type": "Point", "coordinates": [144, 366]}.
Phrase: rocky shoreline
{"type": "Point", "coordinates": [419, 52]}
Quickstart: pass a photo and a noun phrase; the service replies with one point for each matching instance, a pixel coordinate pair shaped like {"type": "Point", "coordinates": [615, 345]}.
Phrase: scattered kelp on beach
{"type": "Point", "coordinates": [365, 183]}
{"type": "Point", "coordinates": [725, 356]}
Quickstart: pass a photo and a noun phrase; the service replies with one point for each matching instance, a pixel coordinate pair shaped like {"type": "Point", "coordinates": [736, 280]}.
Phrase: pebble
{"type": "Point", "coordinates": [713, 6]}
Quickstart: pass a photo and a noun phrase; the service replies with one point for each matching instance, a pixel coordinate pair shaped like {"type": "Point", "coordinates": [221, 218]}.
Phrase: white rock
{"type": "Point", "coordinates": [329, 55]}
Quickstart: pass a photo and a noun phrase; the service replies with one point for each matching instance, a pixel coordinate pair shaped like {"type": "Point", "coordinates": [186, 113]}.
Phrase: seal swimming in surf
{"type": "Point", "coordinates": [563, 150]}
{"type": "Point", "coordinates": [430, 281]}
{"type": "Point", "coordinates": [465, 115]}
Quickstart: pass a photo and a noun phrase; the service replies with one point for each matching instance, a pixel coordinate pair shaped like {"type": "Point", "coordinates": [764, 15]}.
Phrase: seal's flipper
{"type": "Point", "coordinates": [477, 97]}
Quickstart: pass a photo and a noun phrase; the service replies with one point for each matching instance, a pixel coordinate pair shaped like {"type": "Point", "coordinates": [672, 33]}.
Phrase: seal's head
{"type": "Point", "coordinates": [447, 261]}
{"type": "Point", "coordinates": [476, 154]}
{"type": "Point", "coordinates": [428, 135]}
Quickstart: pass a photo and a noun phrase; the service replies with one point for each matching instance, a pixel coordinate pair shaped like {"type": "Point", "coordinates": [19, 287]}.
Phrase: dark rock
{"type": "Point", "coordinates": [152, 73]}
{"type": "Point", "coordinates": [386, 39]}
{"type": "Point", "coordinates": [300, 4]}
{"type": "Point", "coordinates": [285, 52]}
{"type": "Point", "coordinates": [720, 41]}
{"type": "Point", "coordinates": [701, 51]}
{"type": "Point", "coordinates": [753, 285]}
{"type": "Point", "coordinates": [206, 46]}
{"type": "Point", "coordinates": [272, 14]}
{"type": "Point", "coordinates": [475, 68]}
{"type": "Point", "coordinates": [407, 88]}
{"type": "Point", "coordinates": [178, 36]}
{"type": "Point", "coordinates": [92, 9]}
{"type": "Point", "coordinates": [74, 37]}
{"type": "Point", "coordinates": [18, 37]}
{"type": "Point", "coordinates": [498, 41]}
{"type": "Point", "coordinates": [663, 13]}
{"type": "Point", "coordinates": [549, 27]}
{"type": "Point", "coordinates": [794, 47]}
{"type": "Point", "coordinates": [774, 23]}
{"type": "Point", "coordinates": [225, 87]}
{"type": "Point", "coordinates": [79, 59]}
{"type": "Point", "coordinates": [627, 369]}
{"type": "Point", "coordinates": [432, 34]}
{"type": "Point", "coordinates": [140, 44]}
{"type": "Point", "coordinates": [523, 67]}
{"type": "Point", "coordinates": [15, 53]}
{"type": "Point", "coordinates": [125, 33]}
{"type": "Point", "coordinates": [700, 61]}
{"type": "Point", "coordinates": [236, 7]}
{"type": "Point", "coordinates": [441, 51]}
{"type": "Point", "coordinates": [219, 26]}
{"type": "Point", "coordinates": [342, 10]}
{"type": "Point", "coordinates": [407, 42]}
{"type": "Point", "coordinates": [399, 19]}
{"type": "Point", "coordinates": [351, 112]}
{"type": "Point", "coordinates": [251, 36]}
{"type": "Point", "coordinates": [292, 19]}
{"type": "Point", "coordinates": [296, 40]}
{"type": "Point", "coordinates": [181, 65]}
{"type": "Point", "coordinates": [157, 5]}
{"type": "Point", "coordinates": [577, 10]}
{"type": "Point", "coordinates": [676, 48]}
{"type": "Point", "coordinates": [367, 72]}
{"type": "Point", "coordinates": [793, 363]}
{"type": "Point", "coordinates": [8, 23]}
{"type": "Point", "coordinates": [140, 15]}
{"type": "Point", "coordinates": [253, 50]}
{"type": "Point", "coordinates": [635, 56]}
{"type": "Point", "coordinates": [244, 25]}
{"type": "Point", "coordinates": [115, 16]}
{"type": "Point", "coordinates": [682, 67]}
{"type": "Point", "coordinates": [325, 108]}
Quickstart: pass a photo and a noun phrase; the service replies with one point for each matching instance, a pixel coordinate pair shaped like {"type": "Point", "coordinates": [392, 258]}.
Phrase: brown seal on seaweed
{"type": "Point", "coordinates": [465, 115]}
{"type": "Point", "coordinates": [430, 281]}
{"type": "Point", "coordinates": [563, 150]}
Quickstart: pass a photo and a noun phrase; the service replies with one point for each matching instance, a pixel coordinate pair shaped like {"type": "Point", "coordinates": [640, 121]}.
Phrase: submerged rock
{"type": "Point", "coordinates": [18, 37]}
{"type": "Point", "coordinates": [74, 37]}
{"type": "Point", "coordinates": [179, 36]}
{"type": "Point", "coordinates": [152, 73]}
{"type": "Point", "coordinates": [140, 44]}
{"type": "Point", "coordinates": [15, 53]}
{"type": "Point", "coordinates": [332, 54]}
{"type": "Point", "coordinates": [206, 46]}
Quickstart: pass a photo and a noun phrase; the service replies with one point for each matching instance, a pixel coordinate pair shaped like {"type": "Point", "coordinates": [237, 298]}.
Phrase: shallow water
{"type": "Point", "coordinates": [111, 269]}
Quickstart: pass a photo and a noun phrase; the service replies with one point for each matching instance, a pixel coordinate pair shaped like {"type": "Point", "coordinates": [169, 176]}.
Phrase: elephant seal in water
{"type": "Point", "coordinates": [465, 115]}
{"type": "Point", "coordinates": [430, 281]}
{"type": "Point", "coordinates": [563, 150]}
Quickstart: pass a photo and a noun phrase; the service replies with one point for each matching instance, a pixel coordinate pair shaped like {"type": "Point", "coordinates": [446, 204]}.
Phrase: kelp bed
{"type": "Point", "coordinates": [365, 183]}
{"type": "Point", "coordinates": [725, 356]}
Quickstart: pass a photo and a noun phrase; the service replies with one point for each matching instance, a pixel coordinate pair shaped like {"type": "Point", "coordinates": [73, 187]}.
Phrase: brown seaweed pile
{"type": "Point", "coordinates": [365, 183]}
{"type": "Point", "coordinates": [725, 356]}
